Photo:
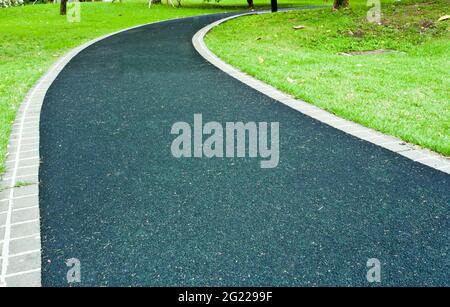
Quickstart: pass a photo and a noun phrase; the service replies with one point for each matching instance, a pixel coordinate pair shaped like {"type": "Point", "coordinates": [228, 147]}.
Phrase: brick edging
{"type": "Point", "coordinates": [410, 151]}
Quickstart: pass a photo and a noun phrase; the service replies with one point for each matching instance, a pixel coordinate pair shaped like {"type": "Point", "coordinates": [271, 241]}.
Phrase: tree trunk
{"type": "Point", "coordinates": [63, 7]}
{"type": "Point", "coordinates": [156, 1]}
{"type": "Point", "coordinates": [340, 3]}
{"type": "Point", "coordinates": [250, 4]}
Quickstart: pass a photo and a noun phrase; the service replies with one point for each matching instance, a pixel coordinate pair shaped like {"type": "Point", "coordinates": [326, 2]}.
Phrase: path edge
{"type": "Point", "coordinates": [394, 144]}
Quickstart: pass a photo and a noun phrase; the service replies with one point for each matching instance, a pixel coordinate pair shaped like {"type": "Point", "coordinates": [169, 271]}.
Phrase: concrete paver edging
{"type": "Point", "coordinates": [410, 151]}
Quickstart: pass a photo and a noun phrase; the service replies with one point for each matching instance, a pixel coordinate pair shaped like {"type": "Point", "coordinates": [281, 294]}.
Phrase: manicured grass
{"type": "Point", "coordinates": [35, 36]}
{"type": "Point", "coordinates": [404, 93]}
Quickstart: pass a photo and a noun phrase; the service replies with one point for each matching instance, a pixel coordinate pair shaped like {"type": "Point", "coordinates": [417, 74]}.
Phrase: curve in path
{"type": "Point", "coordinates": [113, 196]}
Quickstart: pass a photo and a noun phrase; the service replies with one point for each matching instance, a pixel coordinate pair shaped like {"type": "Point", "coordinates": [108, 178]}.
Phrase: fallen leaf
{"type": "Point", "coordinates": [445, 17]}
{"type": "Point", "coordinates": [290, 80]}
{"type": "Point", "coordinates": [261, 60]}
{"type": "Point", "coordinates": [258, 38]}
{"type": "Point", "coordinates": [298, 27]}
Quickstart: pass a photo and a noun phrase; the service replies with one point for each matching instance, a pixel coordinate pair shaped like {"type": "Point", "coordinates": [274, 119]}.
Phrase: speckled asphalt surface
{"type": "Point", "coordinates": [113, 196]}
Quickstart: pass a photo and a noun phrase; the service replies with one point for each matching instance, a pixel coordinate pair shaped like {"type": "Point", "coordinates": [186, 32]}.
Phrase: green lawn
{"type": "Point", "coordinates": [405, 93]}
{"type": "Point", "coordinates": [35, 36]}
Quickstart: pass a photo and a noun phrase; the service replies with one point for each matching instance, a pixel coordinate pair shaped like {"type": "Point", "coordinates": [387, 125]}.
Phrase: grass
{"type": "Point", "coordinates": [403, 93]}
{"type": "Point", "coordinates": [20, 184]}
{"type": "Point", "coordinates": [35, 36]}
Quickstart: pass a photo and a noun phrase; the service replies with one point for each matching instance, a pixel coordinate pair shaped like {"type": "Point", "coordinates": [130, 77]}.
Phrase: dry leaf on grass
{"type": "Point", "coordinates": [298, 27]}
{"type": "Point", "coordinates": [261, 60]}
{"type": "Point", "coordinates": [445, 17]}
{"type": "Point", "coordinates": [290, 80]}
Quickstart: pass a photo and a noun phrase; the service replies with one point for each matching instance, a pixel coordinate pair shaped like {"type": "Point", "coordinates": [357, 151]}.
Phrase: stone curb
{"type": "Point", "coordinates": [410, 151]}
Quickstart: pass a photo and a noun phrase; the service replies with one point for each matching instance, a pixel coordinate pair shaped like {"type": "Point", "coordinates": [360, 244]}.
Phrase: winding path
{"type": "Point", "coordinates": [113, 196]}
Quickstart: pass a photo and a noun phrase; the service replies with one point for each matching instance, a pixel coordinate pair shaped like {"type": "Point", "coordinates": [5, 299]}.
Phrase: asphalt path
{"type": "Point", "coordinates": [113, 196]}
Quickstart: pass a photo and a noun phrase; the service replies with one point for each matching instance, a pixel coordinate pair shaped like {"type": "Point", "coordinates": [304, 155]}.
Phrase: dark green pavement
{"type": "Point", "coordinates": [113, 196]}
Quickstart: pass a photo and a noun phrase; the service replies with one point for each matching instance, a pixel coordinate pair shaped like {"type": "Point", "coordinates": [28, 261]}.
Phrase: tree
{"type": "Point", "coordinates": [340, 3]}
{"type": "Point", "coordinates": [63, 7]}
